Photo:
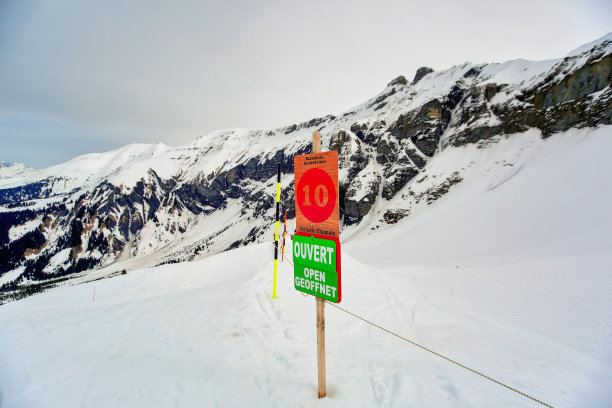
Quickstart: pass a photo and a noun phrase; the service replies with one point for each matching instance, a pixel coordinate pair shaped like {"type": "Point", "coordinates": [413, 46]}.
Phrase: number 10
{"type": "Point", "coordinates": [320, 199]}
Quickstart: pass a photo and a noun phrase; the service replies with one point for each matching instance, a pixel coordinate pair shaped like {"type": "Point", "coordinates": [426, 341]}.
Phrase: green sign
{"type": "Point", "coordinates": [314, 269]}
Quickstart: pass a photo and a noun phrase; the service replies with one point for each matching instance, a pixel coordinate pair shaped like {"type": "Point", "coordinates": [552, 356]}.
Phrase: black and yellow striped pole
{"type": "Point", "coordinates": [278, 189]}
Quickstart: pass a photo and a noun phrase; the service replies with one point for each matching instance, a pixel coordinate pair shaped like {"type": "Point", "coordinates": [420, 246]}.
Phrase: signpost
{"type": "Point", "coordinates": [316, 245]}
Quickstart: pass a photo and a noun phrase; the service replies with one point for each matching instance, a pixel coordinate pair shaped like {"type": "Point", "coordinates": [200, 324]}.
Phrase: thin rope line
{"type": "Point", "coordinates": [433, 352]}
{"type": "Point", "coordinates": [302, 293]}
{"type": "Point", "coordinates": [444, 357]}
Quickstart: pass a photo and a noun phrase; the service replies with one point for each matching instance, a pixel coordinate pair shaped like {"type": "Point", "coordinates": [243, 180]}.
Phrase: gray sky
{"type": "Point", "coordinates": [88, 76]}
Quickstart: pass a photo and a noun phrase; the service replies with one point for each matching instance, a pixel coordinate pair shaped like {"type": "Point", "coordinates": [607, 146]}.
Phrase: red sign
{"type": "Point", "coordinates": [316, 194]}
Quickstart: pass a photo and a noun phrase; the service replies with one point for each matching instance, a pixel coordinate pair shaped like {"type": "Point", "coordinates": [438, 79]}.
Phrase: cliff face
{"type": "Point", "coordinates": [217, 193]}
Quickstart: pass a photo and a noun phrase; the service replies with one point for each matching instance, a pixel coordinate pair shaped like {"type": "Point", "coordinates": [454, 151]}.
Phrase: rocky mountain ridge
{"type": "Point", "coordinates": [216, 193]}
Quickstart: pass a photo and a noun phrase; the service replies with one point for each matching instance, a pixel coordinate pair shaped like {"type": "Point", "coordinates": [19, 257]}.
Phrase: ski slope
{"type": "Point", "coordinates": [508, 274]}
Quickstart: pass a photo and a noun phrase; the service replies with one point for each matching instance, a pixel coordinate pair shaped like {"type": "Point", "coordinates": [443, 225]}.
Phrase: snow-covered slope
{"type": "Point", "coordinates": [553, 210]}
{"type": "Point", "coordinates": [14, 170]}
{"type": "Point", "coordinates": [507, 274]}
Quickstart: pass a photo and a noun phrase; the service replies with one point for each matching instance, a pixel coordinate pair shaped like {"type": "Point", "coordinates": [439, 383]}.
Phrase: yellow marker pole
{"type": "Point", "coordinates": [278, 189]}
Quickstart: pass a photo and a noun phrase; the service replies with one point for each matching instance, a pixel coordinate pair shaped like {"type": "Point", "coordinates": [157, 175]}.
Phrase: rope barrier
{"type": "Point", "coordinates": [302, 293]}
{"type": "Point", "coordinates": [434, 353]}
{"type": "Point", "coordinates": [444, 357]}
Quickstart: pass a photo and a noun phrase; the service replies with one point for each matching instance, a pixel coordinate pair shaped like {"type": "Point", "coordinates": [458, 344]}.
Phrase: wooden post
{"type": "Point", "coordinates": [321, 347]}
{"type": "Point", "coordinates": [316, 148]}
{"type": "Point", "coordinates": [316, 142]}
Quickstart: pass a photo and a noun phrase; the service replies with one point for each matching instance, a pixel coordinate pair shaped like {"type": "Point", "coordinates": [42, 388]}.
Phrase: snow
{"type": "Point", "coordinates": [17, 231]}
{"type": "Point", "coordinates": [517, 71]}
{"type": "Point", "coordinates": [368, 176]}
{"type": "Point", "coordinates": [57, 260]}
{"type": "Point", "coordinates": [507, 274]}
{"type": "Point", "coordinates": [563, 195]}
{"type": "Point", "coordinates": [11, 275]}
{"type": "Point", "coordinates": [586, 47]}
{"type": "Point", "coordinates": [12, 170]}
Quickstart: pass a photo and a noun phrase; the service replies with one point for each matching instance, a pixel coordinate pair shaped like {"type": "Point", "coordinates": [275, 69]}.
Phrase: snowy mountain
{"type": "Point", "coordinates": [13, 170]}
{"type": "Point", "coordinates": [400, 153]}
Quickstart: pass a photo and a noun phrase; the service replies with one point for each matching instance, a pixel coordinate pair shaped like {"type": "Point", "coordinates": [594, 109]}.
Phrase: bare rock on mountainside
{"type": "Point", "coordinates": [421, 72]}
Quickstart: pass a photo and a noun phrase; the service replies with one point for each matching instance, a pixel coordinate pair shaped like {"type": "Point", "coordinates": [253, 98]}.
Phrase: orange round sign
{"type": "Point", "coordinates": [316, 194]}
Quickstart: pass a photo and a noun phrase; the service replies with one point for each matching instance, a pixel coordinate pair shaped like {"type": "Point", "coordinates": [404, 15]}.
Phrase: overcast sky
{"type": "Point", "coordinates": [88, 76]}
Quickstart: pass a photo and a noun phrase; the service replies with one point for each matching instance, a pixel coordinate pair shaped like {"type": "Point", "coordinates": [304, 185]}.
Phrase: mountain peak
{"type": "Point", "coordinates": [400, 80]}
{"type": "Point", "coordinates": [421, 72]}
